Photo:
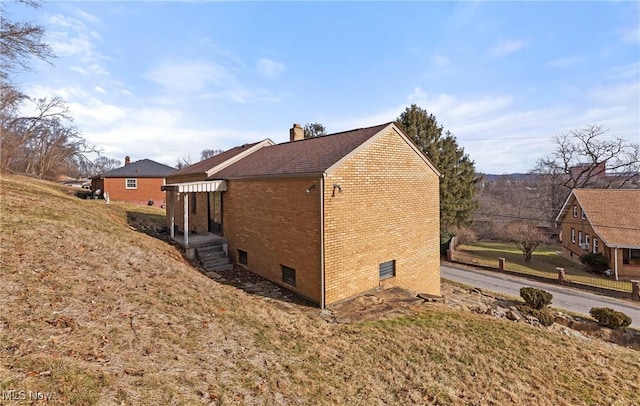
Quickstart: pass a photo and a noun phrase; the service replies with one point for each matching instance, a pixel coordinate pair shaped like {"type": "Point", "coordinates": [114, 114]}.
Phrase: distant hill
{"type": "Point", "coordinates": [513, 176]}
{"type": "Point", "coordinates": [94, 311]}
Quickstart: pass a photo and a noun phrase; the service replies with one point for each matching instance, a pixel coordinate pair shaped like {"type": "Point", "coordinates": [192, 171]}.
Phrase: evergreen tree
{"type": "Point", "coordinates": [459, 178]}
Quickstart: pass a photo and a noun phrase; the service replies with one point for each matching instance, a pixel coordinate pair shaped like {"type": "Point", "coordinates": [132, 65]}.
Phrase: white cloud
{"type": "Point", "coordinates": [209, 80]}
{"type": "Point", "coordinates": [563, 62]}
{"type": "Point", "coordinates": [631, 34]}
{"type": "Point", "coordinates": [624, 72]}
{"type": "Point", "coordinates": [269, 68]}
{"type": "Point", "coordinates": [71, 37]}
{"type": "Point", "coordinates": [507, 47]}
{"type": "Point", "coordinates": [440, 60]}
{"type": "Point", "coordinates": [502, 138]}
{"type": "Point", "coordinates": [190, 76]}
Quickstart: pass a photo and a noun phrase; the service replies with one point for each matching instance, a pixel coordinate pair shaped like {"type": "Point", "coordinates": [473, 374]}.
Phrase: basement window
{"type": "Point", "coordinates": [131, 183]}
{"type": "Point", "coordinates": [288, 275]}
{"type": "Point", "coordinates": [387, 269]}
{"type": "Point", "coordinates": [242, 257]}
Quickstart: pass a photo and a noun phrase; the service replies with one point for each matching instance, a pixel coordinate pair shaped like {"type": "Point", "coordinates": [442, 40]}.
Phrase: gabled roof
{"type": "Point", "coordinates": [222, 160]}
{"type": "Point", "coordinates": [144, 168]}
{"type": "Point", "coordinates": [312, 156]}
{"type": "Point", "coordinates": [614, 214]}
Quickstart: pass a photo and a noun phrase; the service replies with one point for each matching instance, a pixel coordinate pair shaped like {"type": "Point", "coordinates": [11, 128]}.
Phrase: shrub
{"type": "Point", "coordinates": [596, 263]}
{"type": "Point", "coordinates": [465, 235]}
{"type": "Point", "coordinates": [544, 316]}
{"type": "Point", "coordinates": [608, 317]}
{"type": "Point", "coordinates": [536, 298]}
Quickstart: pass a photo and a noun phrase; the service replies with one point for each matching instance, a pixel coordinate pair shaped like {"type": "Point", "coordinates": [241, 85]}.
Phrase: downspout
{"type": "Point", "coordinates": [322, 298]}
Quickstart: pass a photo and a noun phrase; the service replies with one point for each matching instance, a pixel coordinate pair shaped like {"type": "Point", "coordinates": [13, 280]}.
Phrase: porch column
{"type": "Point", "coordinates": [186, 219]}
{"type": "Point", "coordinates": [171, 202]}
{"type": "Point", "coordinates": [616, 263]}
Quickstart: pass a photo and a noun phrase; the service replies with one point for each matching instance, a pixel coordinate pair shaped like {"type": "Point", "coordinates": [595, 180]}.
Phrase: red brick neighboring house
{"type": "Point", "coordinates": [603, 221]}
{"type": "Point", "coordinates": [136, 182]}
{"type": "Point", "coordinates": [328, 217]}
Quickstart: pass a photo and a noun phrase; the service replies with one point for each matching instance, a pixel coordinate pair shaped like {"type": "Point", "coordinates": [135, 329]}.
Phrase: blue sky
{"type": "Point", "coordinates": [164, 80]}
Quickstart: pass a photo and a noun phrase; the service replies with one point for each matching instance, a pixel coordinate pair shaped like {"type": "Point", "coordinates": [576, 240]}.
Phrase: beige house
{"type": "Point", "coordinates": [328, 217]}
{"type": "Point", "coordinates": [603, 221]}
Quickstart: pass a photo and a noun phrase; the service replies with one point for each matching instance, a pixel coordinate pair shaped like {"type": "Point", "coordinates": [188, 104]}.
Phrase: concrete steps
{"type": "Point", "coordinates": [213, 258]}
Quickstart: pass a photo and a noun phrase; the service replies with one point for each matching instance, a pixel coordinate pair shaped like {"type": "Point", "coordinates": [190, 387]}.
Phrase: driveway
{"type": "Point", "coordinates": [568, 299]}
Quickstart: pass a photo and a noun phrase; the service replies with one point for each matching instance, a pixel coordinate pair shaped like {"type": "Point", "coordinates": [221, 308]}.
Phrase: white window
{"type": "Point", "coordinates": [573, 235]}
{"type": "Point", "coordinates": [595, 245]}
{"type": "Point", "coordinates": [580, 241]}
{"type": "Point", "coordinates": [587, 241]}
{"type": "Point", "coordinates": [131, 183]}
{"type": "Point", "coordinates": [575, 211]}
{"type": "Point", "coordinates": [584, 215]}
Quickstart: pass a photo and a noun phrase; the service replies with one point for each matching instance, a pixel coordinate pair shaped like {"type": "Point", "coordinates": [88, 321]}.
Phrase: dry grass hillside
{"type": "Point", "coordinates": [95, 312]}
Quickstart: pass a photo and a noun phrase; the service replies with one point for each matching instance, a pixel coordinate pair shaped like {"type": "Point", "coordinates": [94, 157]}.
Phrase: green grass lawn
{"type": "Point", "coordinates": [544, 262]}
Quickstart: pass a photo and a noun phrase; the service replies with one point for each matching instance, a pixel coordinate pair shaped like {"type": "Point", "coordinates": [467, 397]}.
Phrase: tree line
{"type": "Point", "coordinates": [43, 143]}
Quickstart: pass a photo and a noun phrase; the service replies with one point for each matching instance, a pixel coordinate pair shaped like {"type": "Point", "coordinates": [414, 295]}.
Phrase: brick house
{"type": "Point", "coordinates": [603, 221]}
{"type": "Point", "coordinates": [136, 182]}
{"type": "Point", "coordinates": [327, 217]}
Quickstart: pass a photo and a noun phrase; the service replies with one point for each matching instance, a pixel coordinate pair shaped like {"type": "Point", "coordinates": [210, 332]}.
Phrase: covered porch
{"type": "Point", "coordinates": [189, 192]}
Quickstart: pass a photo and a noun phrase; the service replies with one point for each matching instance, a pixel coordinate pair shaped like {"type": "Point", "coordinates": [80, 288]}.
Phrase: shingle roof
{"type": "Point", "coordinates": [205, 165]}
{"type": "Point", "coordinates": [613, 213]}
{"type": "Point", "coordinates": [144, 168]}
{"type": "Point", "coordinates": [309, 156]}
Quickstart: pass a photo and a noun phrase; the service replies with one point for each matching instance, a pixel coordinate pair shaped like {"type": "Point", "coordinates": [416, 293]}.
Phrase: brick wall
{"type": "Point", "coordinates": [388, 210]}
{"type": "Point", "coordinates": [570, 249]}
{"type": "Point", "coordinates": [147, 188]}
{"type": "Point", "coordinates": [277, 223]}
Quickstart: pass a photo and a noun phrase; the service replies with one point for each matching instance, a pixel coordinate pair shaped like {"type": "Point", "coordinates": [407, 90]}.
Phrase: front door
{"type": "Point", "coordinates": [215, 212]}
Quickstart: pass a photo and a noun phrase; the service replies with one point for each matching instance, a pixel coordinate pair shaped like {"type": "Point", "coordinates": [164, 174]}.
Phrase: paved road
{"type": "Point", "coordinates": [571, 299]}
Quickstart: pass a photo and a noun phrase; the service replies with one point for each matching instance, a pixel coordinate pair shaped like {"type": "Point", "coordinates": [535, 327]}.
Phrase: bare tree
{"type": "Point", "coordinates": [20, 41]}
{"type": "Point", "coordinates": [587, 158]}
{"type": "Point", "coordinates": [526, 237]}
{"type": "Point", "coordinates": [208, 153]}
{"type": "Point", "coordinates": [183, 161]}
{"type": "Point", "coordinates": [104, 164]}
{"type": "Point", "coordinates": [21, 133]}
{"type": "Point", "coordinates": [314, 130]}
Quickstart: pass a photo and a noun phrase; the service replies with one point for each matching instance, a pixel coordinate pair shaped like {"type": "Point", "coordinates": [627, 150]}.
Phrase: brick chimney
{"type": "Point", "coordinates": [296, 133]}
{"type": "Point", "coordinates": [127, 160]}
